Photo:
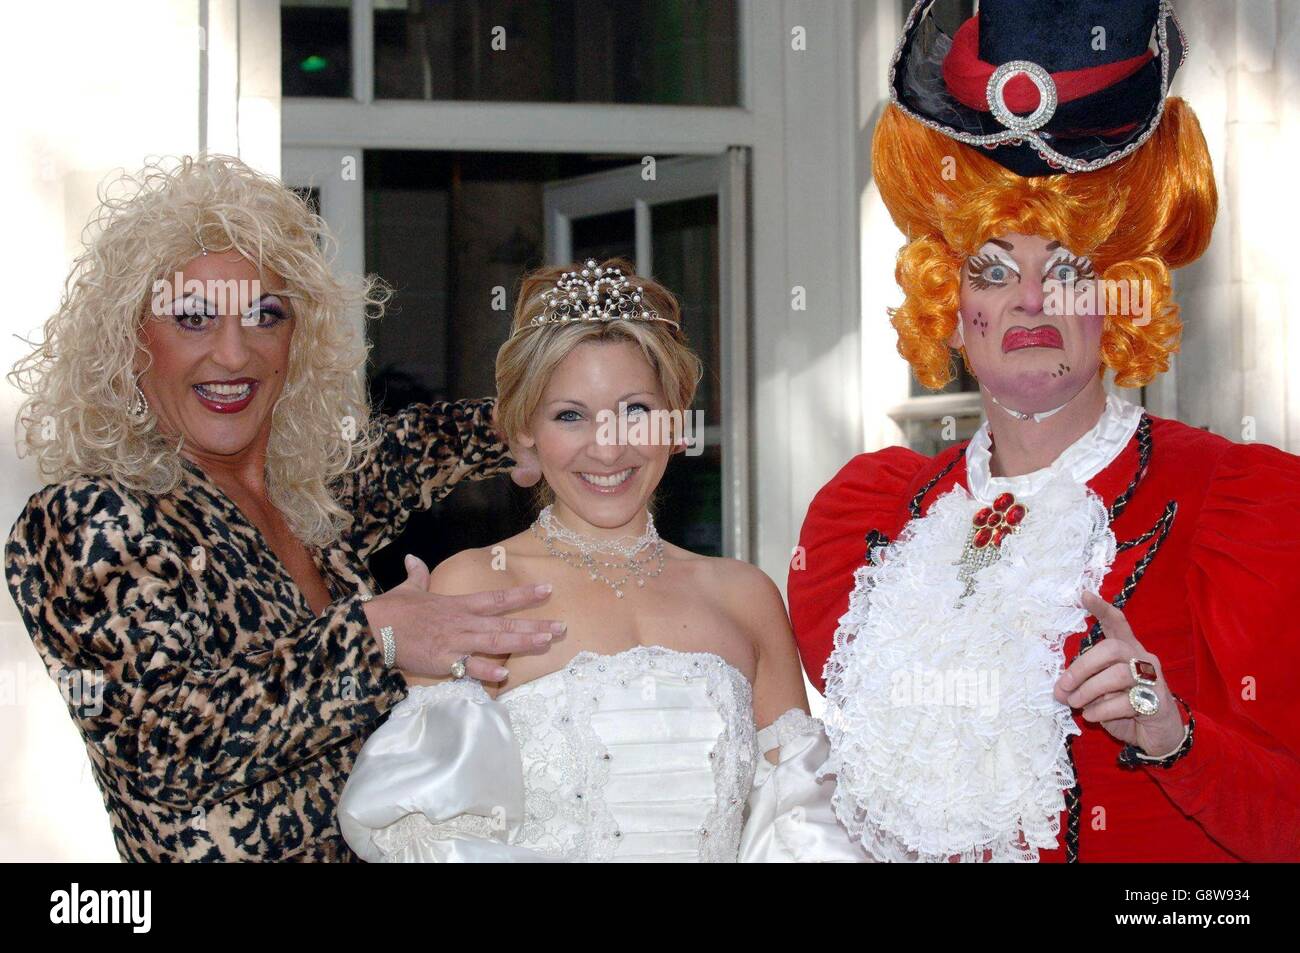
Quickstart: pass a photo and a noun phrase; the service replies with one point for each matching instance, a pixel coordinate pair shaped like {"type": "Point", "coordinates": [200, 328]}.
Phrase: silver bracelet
{"type": "Point", "coordinates": [390, 646]}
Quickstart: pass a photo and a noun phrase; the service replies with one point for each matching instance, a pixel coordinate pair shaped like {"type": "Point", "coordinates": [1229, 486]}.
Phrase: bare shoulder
{"type": "Point", "coordinates": [474, 570]}
{"type": "Point", "coordinates": [742, 589]}
{"type": "Point", "coordinates": [744, 579]}
{"type": "Point", "coordinates": [753, 601]}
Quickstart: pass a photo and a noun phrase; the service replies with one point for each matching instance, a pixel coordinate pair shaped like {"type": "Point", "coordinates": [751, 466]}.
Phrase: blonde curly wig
{"type": "Point", "coordinates": [80, 378]}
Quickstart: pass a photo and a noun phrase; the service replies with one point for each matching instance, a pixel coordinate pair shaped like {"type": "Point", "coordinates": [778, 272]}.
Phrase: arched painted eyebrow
{"type": "Point", "coordinates": [1001, 244]}
{"type": "Point", "coordinates": [196, 296]}
{"type": "Point", "coordinates": [578, 403]}
{"type": "Point", "coordinates": [1053, 246]}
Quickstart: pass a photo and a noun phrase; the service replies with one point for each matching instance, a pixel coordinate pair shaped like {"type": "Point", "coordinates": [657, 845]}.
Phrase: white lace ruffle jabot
{"type": "Point", "coordinates": [945, 739]}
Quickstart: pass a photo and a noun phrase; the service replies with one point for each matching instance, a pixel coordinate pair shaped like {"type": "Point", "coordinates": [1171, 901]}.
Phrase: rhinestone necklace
{"type": "Point", "coordinates": [633, 554]}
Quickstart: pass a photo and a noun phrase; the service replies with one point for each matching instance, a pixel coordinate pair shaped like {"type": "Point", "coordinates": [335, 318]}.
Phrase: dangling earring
{"type": "Point", "coordinates": [138, 407]}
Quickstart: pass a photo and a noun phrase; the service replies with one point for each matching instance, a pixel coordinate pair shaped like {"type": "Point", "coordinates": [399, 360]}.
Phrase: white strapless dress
{"type": "Point", "coordinates": [647, 755]}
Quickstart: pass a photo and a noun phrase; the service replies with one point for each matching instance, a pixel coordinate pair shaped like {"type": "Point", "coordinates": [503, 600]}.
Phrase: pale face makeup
{"type": "Point", "coordinates": [601, 487]}
{"type": "Point", "coordinates": [217, 342]}
{"type": "Point", "coordinates": [1032, 337]}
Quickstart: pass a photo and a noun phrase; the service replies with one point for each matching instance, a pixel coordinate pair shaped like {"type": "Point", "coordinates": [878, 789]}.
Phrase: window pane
{"type": "Point", "coordinates": [684, 237]}
{"type": "Point", "coordinates": [676, 52]}
{"type": "Point", "coordinates": [612, 235]}
{"type": "Point", "coordinates": [316, 48]}
{"type": "Point", "coordinates": [930, 437]}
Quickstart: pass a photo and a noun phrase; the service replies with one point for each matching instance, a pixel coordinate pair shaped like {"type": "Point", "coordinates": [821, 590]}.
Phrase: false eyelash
{"type": "Point", "coordinates": [274, 310]}
{"type": "Point", "coordinates": [975, 268]}
{"type": "Point", "coordinates": [1081, 264]}
{"type": "Point", "coordinates": [182, 319]}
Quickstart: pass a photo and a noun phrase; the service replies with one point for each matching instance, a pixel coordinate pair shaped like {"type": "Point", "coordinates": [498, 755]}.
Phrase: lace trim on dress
{"type": "Point", "coordinates": [734, 758]}
{"type": "Point", "coordinates": [795, 723]}
{"type": "Point", "coordinates": [470, 689]}
{"type": "Point", "coordinates": [416, 828]}
{"type": "Point", "coordinates": [945, 738]}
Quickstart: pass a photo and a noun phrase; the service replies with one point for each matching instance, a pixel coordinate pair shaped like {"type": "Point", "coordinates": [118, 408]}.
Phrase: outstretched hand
{"type": "Point", "coordinates": [433, 631]}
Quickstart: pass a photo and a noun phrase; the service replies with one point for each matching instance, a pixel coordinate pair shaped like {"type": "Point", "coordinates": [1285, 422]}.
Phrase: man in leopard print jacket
{"type": "Point", "coordinates": [206, 600]}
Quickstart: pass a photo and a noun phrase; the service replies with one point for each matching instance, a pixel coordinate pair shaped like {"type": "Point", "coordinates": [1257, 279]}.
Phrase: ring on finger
{"type": "Point", "coordinates": [1143, 672]}
{"type": "Point", "coordinates": [1144, 700]}
{"type": "Point", "coordinates": [458, 667]}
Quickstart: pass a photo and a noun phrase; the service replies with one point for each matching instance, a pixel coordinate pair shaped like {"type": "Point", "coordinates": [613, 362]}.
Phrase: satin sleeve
{"type": "Point", "coordinates": [440, 781]}
{"type": "Point", "coordinates": [789, 818]}
{"type": "Point", "coordinates": [1240, 778]}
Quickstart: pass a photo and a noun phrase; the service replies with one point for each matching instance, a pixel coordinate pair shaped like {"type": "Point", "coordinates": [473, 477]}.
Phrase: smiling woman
{"type": "Point", "coordinates": [642, 735]}
{"type": "Point", "coordinates": [199, 396]}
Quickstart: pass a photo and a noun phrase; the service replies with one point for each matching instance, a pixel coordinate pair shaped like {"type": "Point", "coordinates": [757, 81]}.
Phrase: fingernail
{"type": "Point", "coordinates": [1066, 682]}
{"type": "Point", "coordinates": [544, 589]}
{"type": "Point", "coordinates": [541, 638]}
{"type": "Point", "coordinates": [499, 674]}
{"type": "Point", "coordinates": [559, 627]}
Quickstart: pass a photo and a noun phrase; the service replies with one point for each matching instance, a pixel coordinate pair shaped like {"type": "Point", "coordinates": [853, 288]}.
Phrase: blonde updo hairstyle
{"type": "Point", "coordinates": [530, 355]}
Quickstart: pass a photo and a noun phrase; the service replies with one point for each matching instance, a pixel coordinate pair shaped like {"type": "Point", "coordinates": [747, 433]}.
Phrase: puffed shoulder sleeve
{"type": "Point", "coordinates": [789, 818]}
{"type": "Point", "coordinates": [1240, 779]}
{"type": "Point", "coordinates": [423, 452]}
{"type": "Point", "coordinates": [111, 603]}
{"type": "Point", "coordinates": [440, 781]}
{"type": "Point", "coordinates": [869, 493]}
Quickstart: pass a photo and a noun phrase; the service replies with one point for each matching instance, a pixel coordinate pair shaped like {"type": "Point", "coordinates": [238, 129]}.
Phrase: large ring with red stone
{"type": "Point", "coordinates": [995, 523]}
{"type": "Point", "coordinates": [1143, 672]}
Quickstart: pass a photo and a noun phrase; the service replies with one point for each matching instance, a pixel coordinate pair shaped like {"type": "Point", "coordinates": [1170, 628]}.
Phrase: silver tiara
{"type": "Point", "coordinates": [593, 294]}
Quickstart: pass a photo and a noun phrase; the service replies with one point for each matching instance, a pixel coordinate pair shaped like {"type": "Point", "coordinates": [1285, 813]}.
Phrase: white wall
{"type": "Point", "coordinates": [92, 87]}
{"type": "Point", "coordinates": [808, 381]}
{"type": "Point", "coordinates": [1241, 344]}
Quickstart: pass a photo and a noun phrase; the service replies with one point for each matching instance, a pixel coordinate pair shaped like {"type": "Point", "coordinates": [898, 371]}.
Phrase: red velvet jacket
{"type": "Point", "coordinates": [1218, 606]}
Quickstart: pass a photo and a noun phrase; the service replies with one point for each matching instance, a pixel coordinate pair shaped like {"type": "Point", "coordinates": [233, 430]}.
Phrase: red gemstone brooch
{"type": "Point", "coordinates": [989, 527]}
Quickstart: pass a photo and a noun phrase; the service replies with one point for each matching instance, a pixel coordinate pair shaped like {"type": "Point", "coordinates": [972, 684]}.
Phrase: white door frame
{"type": "Point", "coordinates": [338, 174]}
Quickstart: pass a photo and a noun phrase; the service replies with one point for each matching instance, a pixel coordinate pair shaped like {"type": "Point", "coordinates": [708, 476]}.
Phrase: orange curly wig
{"type": "Point", "coordinates": [1136, 219]}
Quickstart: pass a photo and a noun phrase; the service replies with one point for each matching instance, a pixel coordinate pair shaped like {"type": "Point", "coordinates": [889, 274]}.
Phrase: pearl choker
{"type": "Point", "coordinates": [583, 551]}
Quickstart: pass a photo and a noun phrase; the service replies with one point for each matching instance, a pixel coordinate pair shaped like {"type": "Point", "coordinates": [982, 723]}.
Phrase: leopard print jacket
{"type": "Point", "coordinates": [222, 716]}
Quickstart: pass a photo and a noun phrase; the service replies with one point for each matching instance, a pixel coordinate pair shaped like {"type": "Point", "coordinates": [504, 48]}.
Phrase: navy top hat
{"type": "Point", "coordinates": [1043, 86]}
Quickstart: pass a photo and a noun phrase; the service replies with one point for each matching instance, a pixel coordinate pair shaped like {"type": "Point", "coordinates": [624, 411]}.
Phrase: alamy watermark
{"type": "Point", "coordinates": [651, 429]}
{"type": "Point", "coordinates": [1122, 297]}
{"type": "Point", "coordinates": [950, 687]}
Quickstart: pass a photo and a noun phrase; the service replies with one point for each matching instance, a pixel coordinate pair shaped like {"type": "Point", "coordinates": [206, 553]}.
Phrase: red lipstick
{"type": "Point", "coordinates": [1018, 338]}
{"type": "Point", "coordinates": [225, 403]}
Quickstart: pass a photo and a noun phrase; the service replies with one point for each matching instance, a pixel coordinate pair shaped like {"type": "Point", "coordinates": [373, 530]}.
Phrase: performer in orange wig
{"type": "Point", "coordinates": [1065, 638]}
